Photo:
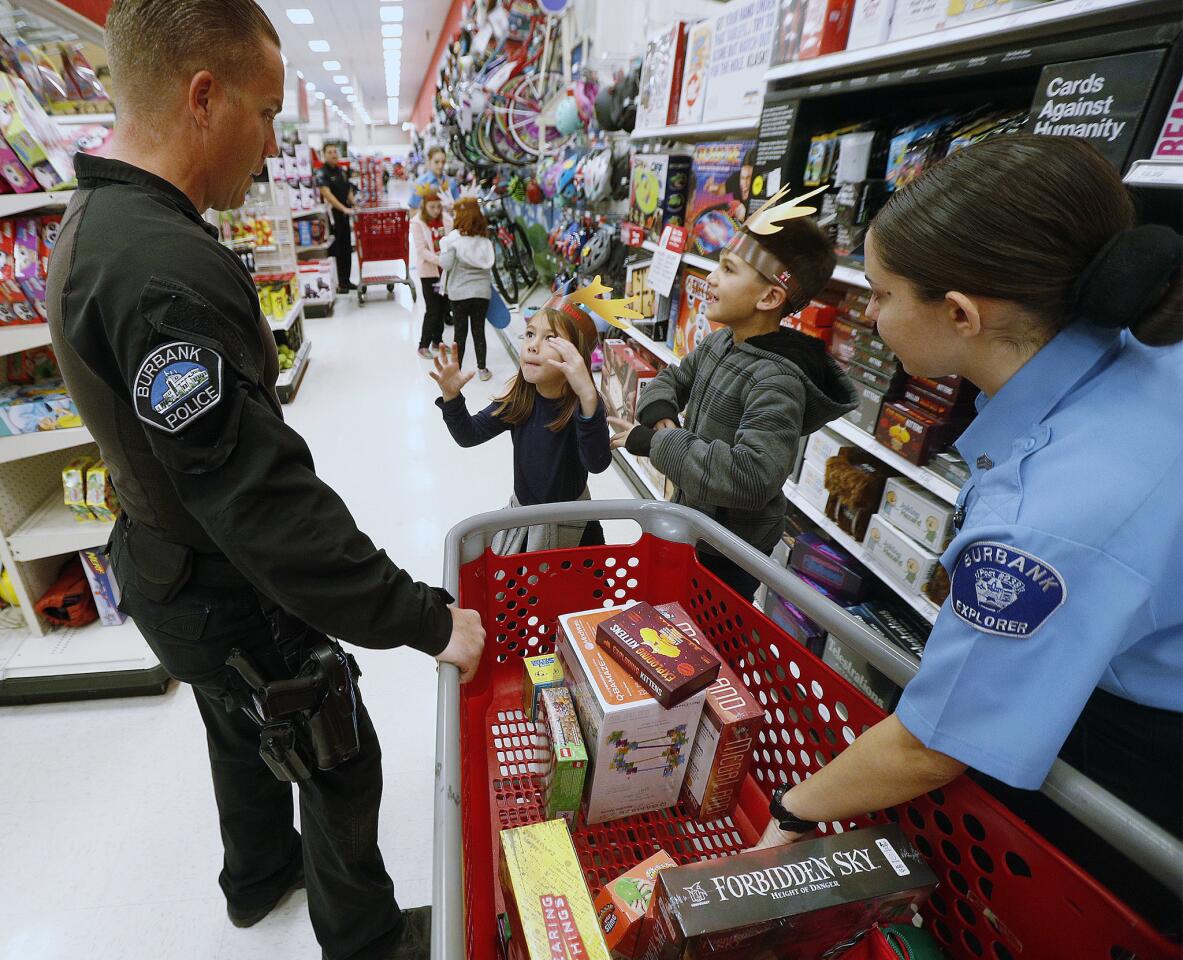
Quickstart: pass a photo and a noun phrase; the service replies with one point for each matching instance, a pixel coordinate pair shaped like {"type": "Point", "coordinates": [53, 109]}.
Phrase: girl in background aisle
{"type": "Point", "coordinates": [466, 256]}
{"type": "Point", "coordinates": [555, 418]}
{"type": "Point", "coordinates": [434, 178]}
{"type": "Point", "coordinates": [427, 230]}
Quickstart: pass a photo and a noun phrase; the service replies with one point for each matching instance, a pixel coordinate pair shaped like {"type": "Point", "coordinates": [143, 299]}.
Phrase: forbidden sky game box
{"type": "Point", "coordinates": [793, 902]}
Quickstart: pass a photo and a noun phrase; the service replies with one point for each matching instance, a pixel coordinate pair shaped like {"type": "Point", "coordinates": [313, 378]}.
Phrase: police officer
{"type": "Point", "coordinates": [231, 550]}
{"type": "Point", "coordinates": [1017, 265]}
{"type": "Point", "coordinates": [338, 193]}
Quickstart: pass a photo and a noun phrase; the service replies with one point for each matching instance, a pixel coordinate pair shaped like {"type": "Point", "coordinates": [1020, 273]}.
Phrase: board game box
{"type": "Point", "coordinates": [658, 186]}
{"type": "Point", "coordinates": [624, 907]}
{"type": "Point", "coordinates": [691, 326]}
{"type": "Point", "coordinates": [721, 195]}
{"type": "Point", "coordinates": [567, 760]}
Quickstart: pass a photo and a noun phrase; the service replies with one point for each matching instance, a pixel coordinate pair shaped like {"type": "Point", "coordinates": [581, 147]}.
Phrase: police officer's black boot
{"type": "Point", "coordinates": [248, 918]}
{"type": "Point", "coordinates": [415, 940]}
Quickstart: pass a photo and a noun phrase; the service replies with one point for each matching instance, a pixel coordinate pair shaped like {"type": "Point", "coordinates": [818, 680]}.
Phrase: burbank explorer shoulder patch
{"type": "Point", "coordinates": [176, 384]}
{"type": "Point", "coordinates": [1007, 592]}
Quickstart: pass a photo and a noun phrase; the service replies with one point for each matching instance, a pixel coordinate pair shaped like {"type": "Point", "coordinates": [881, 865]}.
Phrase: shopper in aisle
{"type": "Point", "coordinates": [229, 541]}
{"type": "Point", "coordinates": [466, 256]}
{"type": "Point", "coordinates": [338, 193]}
{"type": "Point", "coordinates": [1016, 264]}
{"type": "Point", "coordinates": [435, 178]}
{"type": "Point", "coordinates": [555, 418]}
{"type": "Point", "coordinates": [428, 229]}
{"type": "Point", "coordinates": [750, 391]}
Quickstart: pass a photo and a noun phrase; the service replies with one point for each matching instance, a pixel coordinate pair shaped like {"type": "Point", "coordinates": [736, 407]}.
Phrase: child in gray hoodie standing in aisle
{"type": "Point", "coordinates": [751, 390]}
{"type": "Point", "coordinates": [466, 255]}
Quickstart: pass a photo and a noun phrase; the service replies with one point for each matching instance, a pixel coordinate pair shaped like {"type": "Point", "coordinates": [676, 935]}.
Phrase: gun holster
{"type": "Point", "coordinates": [310, 720]}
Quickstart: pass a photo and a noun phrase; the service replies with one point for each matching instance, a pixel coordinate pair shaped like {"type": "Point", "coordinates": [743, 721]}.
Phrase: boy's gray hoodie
{"type": "Point", "coordinates": [468, 262]}
{"type": "Point", "coordinates": [747, 407]}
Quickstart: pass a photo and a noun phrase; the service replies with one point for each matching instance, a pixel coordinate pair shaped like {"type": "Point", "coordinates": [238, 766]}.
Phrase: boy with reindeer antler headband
{"type": "Point", "coordinates": [751, 390]}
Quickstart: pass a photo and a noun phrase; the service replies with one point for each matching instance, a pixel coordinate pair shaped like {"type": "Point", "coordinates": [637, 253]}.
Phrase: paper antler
{"type": "Point", "coordinates": [771, 217]}
{"type": "Point", "coordinates": [610, 311]}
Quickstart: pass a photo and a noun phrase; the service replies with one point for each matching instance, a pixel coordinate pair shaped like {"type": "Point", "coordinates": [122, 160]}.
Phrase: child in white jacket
{"type": "Point", "coordinates": [428, 229]}
{"type": "Point", "coordinates": [466, 255]}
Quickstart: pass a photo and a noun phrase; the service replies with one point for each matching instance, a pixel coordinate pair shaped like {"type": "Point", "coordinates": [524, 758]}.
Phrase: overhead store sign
{"type": "Point", "coordinates": [1099, 100]}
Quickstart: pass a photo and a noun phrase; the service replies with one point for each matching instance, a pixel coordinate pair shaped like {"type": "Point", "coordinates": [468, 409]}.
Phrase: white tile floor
{"type": "Point", "coordinates": [109, 845]}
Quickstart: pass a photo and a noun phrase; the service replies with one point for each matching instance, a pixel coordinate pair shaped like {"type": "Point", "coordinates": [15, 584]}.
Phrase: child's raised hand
{"type": "Point", "coordinates": [447, 372]}
{"type": "Point", "coordinates": [573, 368]}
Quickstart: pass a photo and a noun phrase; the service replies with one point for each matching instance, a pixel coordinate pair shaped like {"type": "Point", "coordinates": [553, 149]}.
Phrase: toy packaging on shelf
{"type": "Point", "coordinates": [562, 783]}
{"type": "Point", "coordinates": [829, 565]}
{"type": "Point", "coordinates": [670, 664]}
{"type": "Point", "coordinates": [658, 186]}
{"type": "Point", "coordinates": [637, 749]}
{"type": "Point", "coordinates": [543, 672]}
{"type": "Point", "coordinates": [36, 408]}
{"type": "Point", "coordinates": [691, 326]}
{"type": "Point", "coordinates": [794, 902]}
{"type": "Point", "coordinates": [625, 907]}
{"type": "Point", "coordinates": [858, 670]}
{"type": "Point", "coordinates": [722, 193]}
{"type": "Point", "coordinates": [913, 510]}
{"type": "Point", "coordinates": [825, 27]}
{"type": "Point", "coordinates": [546, 896]}
{"type": "Point", "coordinates": [623, 378]}
{"type": "Point", "coordinates": [870, 23]}
{"type": "Point", "coordinates": [699, 40]}
{"type": "Point", "coordinates": [908, 563]}
{"type": "Point", "coordinates": [740, 56]}
{"type": "Point", "coordinates": [103, 586]}
{"type": "Point", "coordinates": [74, 487]}
{"type": "Point", "coordinates": [787, 36]}
{"type": "Point", "coordinates": [318, 281]}
{"type": "Point", "coordinates": [661, 77]}
{"type": "Point", "coordinates": [101, 498]}
{"type": "Point", "coordinates": [31, 134]}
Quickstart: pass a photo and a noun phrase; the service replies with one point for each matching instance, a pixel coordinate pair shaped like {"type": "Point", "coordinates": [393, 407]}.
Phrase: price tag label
{"type": "Point", "coordinates": [667, 259]}
{"type": "Point", "coordinates": [631, 235]}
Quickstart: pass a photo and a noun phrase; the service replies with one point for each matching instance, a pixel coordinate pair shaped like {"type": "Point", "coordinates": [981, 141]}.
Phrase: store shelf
{"type": "Point", "coordinates": [689, 132]}
{"type": "Point", "coordinates": [922, 605]}
{"type": "Point", "coordinates": [641, 479]}
{"type": "Point", "coordinates": [23, 336]}
{"type": "Point", "coordinates": [52, 530]}
{"type": "Point", "coordinates": [12, 204]}
{"type": "Point", "coordinates": [1045, 20]}
{"type": "Point", "coordinates": [33, 444]}
{"type": "Point", "coordinates": [926, 478]}
{"type": "Point", "coordinates": [694, 259]}
{"type": "Point", "coordinates": [288, 384]}
{"type": "Point", "coordinates": [82, 119]}
{"type": "Point", "coordinates": [1155, 173]}
{"type": "Point", "coordinates": [852, 277]}
{"type": "Point", "coordinates": [282, 326]}
{"type": "Point", "coordinates": [322, 210]}
{"type": "Point", "coordinates": [314, 248]}
{"type": "Point", "coordinates": [659, 350]}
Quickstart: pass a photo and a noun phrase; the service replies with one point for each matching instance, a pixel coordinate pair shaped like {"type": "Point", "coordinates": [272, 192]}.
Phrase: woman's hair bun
{"type": "Point", "coordinates": [1129, 277]}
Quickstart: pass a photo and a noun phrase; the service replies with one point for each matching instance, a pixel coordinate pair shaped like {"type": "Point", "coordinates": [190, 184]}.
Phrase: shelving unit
{"type": "Point", "coordinates": [657, 349]}
{"type": "Point", "coordinates": [281, 326]}
{"type": "Point", "coordinates": [23, 336]}
{"type": "Point", "coordinates": [637, 475]}
{"type": "Point", "coordinates": [1156, 173]}
{"type": "Point", "coordinates": [288, 384]}
{"type": "Point", "coordinates": [320, 211]}
{"type": "Point", "coordinates": [54, 530]}
{"type": "Point", "coordinates": [33, 444]}
{"type": "Point", "coordinates": [922, 605]}
{"type": "Point", "coordinates": [691, 132]}
{"type": "Point", "coordinates": [314, 248]}
{"type": "Point", "coordinates": [14, 204]}
{"type": "Point", "coordinates": [848, 275]}
{"type": "Point", "coordinates": [926, 478]}
{"type": "Point", "coordinates": [82, 119]}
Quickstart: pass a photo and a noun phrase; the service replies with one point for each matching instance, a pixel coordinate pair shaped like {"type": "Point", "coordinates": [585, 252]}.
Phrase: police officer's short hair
{"type": "Point", "coordinates": [151, 43]}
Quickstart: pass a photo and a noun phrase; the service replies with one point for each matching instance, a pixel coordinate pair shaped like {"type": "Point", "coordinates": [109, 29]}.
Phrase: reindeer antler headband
{"type": "Point", "coordinates": [770, 219]}
{"type": "Point", "coordinates": [579, 304]}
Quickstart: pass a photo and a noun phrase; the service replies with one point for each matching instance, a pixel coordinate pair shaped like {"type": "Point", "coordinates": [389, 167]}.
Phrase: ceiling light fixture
{"type": "Point", "coordinates": [310, 87]}
{"type": "Point", "coordinates": [347, 89]}
{"type": "Point", "coordinates": [392, 43]}
{"type": "Point", "coordinates": [319, 46]}
{"type": "Point", "coordinates": [319, 95]}
{"type": "Point", "coordinates": [331, 65]}
{"type": "Point", "coordinates": [340, 79]}
{"type": "Point", "coordinates": [391, 14]}
{"type": "Point", "coordinates": [300, 16]}
{"type": "Point", "coordinates": [392, 29]}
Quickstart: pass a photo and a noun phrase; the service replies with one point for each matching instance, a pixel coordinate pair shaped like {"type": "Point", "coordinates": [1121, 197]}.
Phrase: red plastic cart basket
{"type": "Point", "coordinates": [1005, 892]}
{"type": "Point", "coordinates": [382, 241]}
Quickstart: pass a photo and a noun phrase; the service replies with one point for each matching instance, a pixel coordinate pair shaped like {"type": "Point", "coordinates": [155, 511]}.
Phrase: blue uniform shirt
{"type": "Point", "coordinates": [1067, 573]}
{"type": "Point", "coordinates": [442, 185]}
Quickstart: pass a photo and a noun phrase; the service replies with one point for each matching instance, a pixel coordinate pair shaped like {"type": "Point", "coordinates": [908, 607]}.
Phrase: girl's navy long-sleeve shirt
{"type": "Point", "coordinates": [548, 466]}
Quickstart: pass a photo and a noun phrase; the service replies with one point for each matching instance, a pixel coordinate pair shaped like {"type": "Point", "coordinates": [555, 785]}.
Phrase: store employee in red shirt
{"type": "Point", "coordinates": [338, 193]}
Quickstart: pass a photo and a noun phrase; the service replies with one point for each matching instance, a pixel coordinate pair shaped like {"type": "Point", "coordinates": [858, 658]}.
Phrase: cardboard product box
{"type": "Point", "coordinates": [562, 783]}
{"type": "Point", "coordinates": [913, 17]}
{"type": "Point", "coordinates": [625, 906]}
{"type": "Point", "coordinates": [37, 408]}
{"type": "Point", "coordinates": [696, 72]}
{"type": "Point", "coordinates": [949, 466]}
{"type": "Point", "coordinates": [740, 56]}
{"type": "Point", "coordinates": [913, 434]}
{"type": "Point", "coordinates": [881, 382]}
{"type": "Point", "coordinates": [692, 325]}
{"type": "Point", "coordinates": [16, 175]}
{"type": "Point", "coordinates": [543, 672]}
{"type": "Point", "coordinates": [721, 198]}
{"type": "Point", "coordinates": [886, 364]}
{"type": "Point", "coordinates": [100, 493]}
{"type": "Point", "coordinates": [790, 23]}
{"type": "Point", "coordinates": [546, 895]}
{"type": "Point", "coordinates": [793, 621]}
{"type": "Point", "coordinates": [823, 444]}
{"type": "Point", "coordinates": [929, 403]}
{"type": "Point", "coordinates": [794, 902]}
{"type": "Point", "coordinates": [899, 624]}
{"type": "Point", "coordinates": [908, 563]}
{"type": "Point", "coordinates": [922, 516]}
{"type": "Point", "coordinates": [74, 488]}
{"type": "Point", "coordinates": [866, 415]}
{"type": "Point", "coordinates": [638, 750]}
{"type": "Point", "coordinates": [658, 188]}
{"type": "Point", "coordinates": [629, 371]}
{"type": "Point", "coordinates": [870, 24]}
{"type": "Point", "coordinates": [103, 585]}
{"type": "Point", "coordinates": [51, 226]}
{"type": "Point", "coordinates": [812, 485]}
{"type": "Point", "coordinates": [858, 670]}
{"type": "Point", "coordinates": [661, 77]}
{"type": "Point", "coordinates": [859, 336]}
{"type": "Point", "coordinates": [829, 565]}
{"type": "Point", "coordinates": [32, 135]}
{"type": "Point", "coordinates": [826, 27]}
{"type": "Point", "coordinates": [671, 664]}
{"type": "Point", "coordinates": [722, 753]}
{"type": "Point", "coordinates": [953, 389]}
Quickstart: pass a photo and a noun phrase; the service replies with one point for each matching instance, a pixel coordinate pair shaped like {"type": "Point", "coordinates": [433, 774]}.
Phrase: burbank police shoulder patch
{"type": "Point", "coordinates": [998, 589]}
{"type": "Point", "coordinates": [176, 384]}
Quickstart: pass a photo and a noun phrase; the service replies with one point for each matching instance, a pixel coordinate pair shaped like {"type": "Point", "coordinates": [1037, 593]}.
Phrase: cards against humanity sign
{"type": "Point", "coordinates": [740, 56]}
{"type": "Point", "coordinates": [1100, 100]}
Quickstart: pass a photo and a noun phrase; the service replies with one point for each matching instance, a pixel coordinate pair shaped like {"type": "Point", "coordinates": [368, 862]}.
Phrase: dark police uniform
{"type": "Point", "coordinates": [229, 539]}
{"type": "Point", "coordinates": [342, 248]}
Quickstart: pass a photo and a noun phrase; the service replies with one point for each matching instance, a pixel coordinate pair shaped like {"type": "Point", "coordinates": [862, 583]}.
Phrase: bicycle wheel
{"type": "Point", "coordinates": [504, 276]}
{"type": "Point", "coordinates": [523, 254]}
{"type": "Point", "coordinates": [517, 108]}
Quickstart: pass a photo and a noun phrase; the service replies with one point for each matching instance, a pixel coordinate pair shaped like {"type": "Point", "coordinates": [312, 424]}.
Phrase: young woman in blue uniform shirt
{"type": "Point", "coordinates": [1017, 265]}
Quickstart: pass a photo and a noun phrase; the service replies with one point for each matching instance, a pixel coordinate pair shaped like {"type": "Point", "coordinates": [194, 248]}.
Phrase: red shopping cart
{"type": "Point", "coordinates": [382, 241]}
{"type": "Point", "coordinates": [1005, 892]}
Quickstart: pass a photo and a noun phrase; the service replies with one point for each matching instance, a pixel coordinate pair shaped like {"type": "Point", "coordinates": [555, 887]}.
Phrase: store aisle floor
{"type": "Point", "coordinates": [110, 846]}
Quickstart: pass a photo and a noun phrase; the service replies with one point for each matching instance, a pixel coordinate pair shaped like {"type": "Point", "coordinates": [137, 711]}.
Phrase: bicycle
{"type": "Point", "coordinates": [513, 257]}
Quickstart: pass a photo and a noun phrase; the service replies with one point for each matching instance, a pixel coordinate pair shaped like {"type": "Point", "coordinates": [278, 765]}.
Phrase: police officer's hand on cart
{"type": "Point", "coordinates": [1064, 621]}
{"type": "Point", "coordinates": [466, 644]}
